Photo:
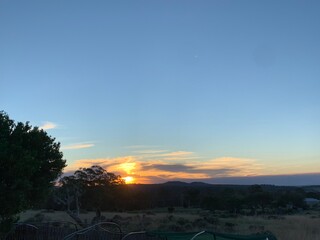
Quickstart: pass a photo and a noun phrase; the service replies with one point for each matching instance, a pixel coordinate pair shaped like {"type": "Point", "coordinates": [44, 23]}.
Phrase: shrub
{"type": "Point", "coordinates": [212, 220]}
{"type": "Point", "coordinates": [199, 223]}
{"type": "Point", "coordinates": [171, 209]}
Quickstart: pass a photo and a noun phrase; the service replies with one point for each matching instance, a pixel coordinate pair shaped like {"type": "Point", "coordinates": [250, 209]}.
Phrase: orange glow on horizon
{"type": "Point", "coordinates": [141, 170]}
{"type": "Point", "coordinates": [129, 180]}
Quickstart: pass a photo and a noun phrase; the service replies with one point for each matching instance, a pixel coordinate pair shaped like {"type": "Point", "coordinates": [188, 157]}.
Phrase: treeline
{"type": "Point", "coordinates": [95, 188]}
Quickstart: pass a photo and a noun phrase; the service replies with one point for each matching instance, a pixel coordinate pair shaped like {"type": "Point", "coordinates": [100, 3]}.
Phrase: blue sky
{"type": "Point", "coordinates": [228, 82]}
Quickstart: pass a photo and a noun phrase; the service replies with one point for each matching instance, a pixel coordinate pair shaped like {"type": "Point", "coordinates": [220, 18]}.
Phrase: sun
{"type": "Point", "coordinates": [128, 180]}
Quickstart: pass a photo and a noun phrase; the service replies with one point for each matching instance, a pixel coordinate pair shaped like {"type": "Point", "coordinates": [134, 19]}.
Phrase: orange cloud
{"type": "Point", "coordinates": [111, 164]}
{"type": "Point", "coordinates": [152, 171]}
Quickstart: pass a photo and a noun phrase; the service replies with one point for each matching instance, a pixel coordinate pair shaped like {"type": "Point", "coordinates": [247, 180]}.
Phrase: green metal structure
{"type": "Point", "coordinates": [207, 235]}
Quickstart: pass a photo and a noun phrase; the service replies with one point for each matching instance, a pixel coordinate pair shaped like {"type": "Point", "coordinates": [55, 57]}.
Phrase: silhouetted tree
{"type": "Point", "coordinates": [92, 188]}
{"type": "Point", "coordinates": [30, 160]}
{"type": "Point", "coordinates": [69, 192]}
{"type": "Point", "coordinates": [258, 198]}
{"type": "Point", "coordinates": [97, 176]}
{"type": "Point", "coordinates": [294, 198]}
{"type": "Point", "coordinates": [191, 197]}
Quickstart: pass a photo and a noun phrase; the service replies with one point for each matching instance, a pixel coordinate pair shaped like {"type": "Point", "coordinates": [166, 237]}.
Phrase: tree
{"type": "Point", "coordinates": [70, 191]}
{"type": "Point", "coordinates": [89, 187]}
{"type": "Point", "coordinates": [258, 198]}
{"type": "Point", "coordinates": [97, 176]}
{"type": "Point", "coordinates": [191, 197]}
{"type": "Point", "coordinates": [30, 161]}
{"type": "Point", "coordinates": [295, 198]}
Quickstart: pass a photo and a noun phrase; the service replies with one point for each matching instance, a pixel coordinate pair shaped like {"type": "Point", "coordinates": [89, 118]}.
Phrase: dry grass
{"type": "Point", "coordinates": [292, 227]}
{"type": "Point", "coordinates": [302, 226]}
{"type": "Point", "coordinates": [31, 215]}
{"type": "Point", "coordinates": [296, 227]}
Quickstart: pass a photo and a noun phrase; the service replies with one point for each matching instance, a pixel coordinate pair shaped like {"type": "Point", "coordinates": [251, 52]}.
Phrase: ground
{"type": "Point", "coordinates": [304, 225]}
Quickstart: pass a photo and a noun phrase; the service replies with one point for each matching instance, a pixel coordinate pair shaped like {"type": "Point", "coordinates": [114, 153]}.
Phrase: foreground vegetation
{"type": "Point", "coordinates": [30, 162]}
{"type": "Point", "coordinates": [304, 225]}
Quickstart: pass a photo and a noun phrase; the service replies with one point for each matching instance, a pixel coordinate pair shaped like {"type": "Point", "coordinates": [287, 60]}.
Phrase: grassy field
{"type": "Point", "coordinates": [44, 216]}
{"type": "Point", "coordinates": [304, 226]}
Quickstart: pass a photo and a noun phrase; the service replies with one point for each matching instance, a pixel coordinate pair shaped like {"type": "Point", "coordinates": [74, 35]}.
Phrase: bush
{"type": "Point", "coordinates": [212, 220]}
{"type": "Point", "coordinates": [229, 227]}
{"type": "Point", "coordinates": [6, 224]}
{"type": "Point", "coordinates": [182, 221]}
{"type": "Point", "coordinates": [199, 223]}
{"type": "Point", "coordinates": [171, 209]}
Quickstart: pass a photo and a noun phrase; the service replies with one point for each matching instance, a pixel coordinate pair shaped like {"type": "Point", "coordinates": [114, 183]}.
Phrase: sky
{"type": "Point", "coordinates": [216, 91]}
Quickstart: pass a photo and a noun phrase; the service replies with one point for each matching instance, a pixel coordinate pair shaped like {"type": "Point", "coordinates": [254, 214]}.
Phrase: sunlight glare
{"type": "Point", "coordinates": [128, 167]}
{"type": "Point", "coordinates": [128, 180]}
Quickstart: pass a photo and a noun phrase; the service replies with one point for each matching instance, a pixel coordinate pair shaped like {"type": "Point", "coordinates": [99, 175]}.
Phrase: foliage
{"type": "Point", "coordinates": [92, 188]}
{"type": "Point", "coordinates": [235, 199]}
{"type": "Point", "coordinates": [258, 198]}
{"type": "Point", "coordinates": [294, 198]}
{"type": "Point", "coordinates": [97, 176]}
{"type": "Point", "coordinates": [30, 160]}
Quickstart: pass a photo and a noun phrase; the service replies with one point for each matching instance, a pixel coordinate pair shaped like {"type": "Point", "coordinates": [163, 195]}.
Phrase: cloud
{"type": "Point", "coordinates": [283, 180]}
{"type": "Point", "coordinates": [77, 146]}
{"type": "Point", "coordinates": [169, 167]}
{"type": "Point", "coordinates": [156, 152]}
{"type": "Point", "coordinates": [235, 166]}
{"type": "Point", "coordinates": [165, 155]}
{"type": "Point", "coordinates": [159, 170]}
{"type": "Point", "coordinates": [178, 154]}
{"type": "Point", "coordinates": [48, 125]}
{"type": "Point", "coordinates": [140, 147]}
{"type": "Point", "coordinates": [111, 164]}
{"type": "Point", "coordinates": [220, 167]}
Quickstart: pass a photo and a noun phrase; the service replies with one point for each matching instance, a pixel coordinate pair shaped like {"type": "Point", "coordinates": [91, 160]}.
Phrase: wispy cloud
{"type": "Point", "coordinates": [150, 151]}
{"type": "Point", "coordinates": [77, 146]}
{"type": "Point", "coordinates": [111, 164]}
{"type": "Point", "coordinates": [160, 170]}
{"type": "Point", "coordinates": [169, 167]}
{"type": "Point", "coordinates": [48, 125]}
{"type": "Point", "coordinates": [140, 147]}
{"type": "Point", "coordinates": [179, 155]}
{"type": "Point", "coordinates": [239, 166]}
{"type": "Point", "coordinates": [166, 155]}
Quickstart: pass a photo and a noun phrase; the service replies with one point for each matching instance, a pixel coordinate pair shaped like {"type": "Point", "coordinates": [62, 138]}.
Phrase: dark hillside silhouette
{"type": "Point", "coordinates": [106, 195]}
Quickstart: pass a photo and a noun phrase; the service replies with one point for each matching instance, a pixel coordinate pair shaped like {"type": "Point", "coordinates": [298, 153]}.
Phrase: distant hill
{"type": "Point", "coordinates": [180, 186]}
{"type": "Point", "coordinates": [175, 183]}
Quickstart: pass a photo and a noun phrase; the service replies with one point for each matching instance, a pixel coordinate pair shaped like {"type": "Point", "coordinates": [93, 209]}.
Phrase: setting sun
{"type": "Point", "coordinates": [128, 180]}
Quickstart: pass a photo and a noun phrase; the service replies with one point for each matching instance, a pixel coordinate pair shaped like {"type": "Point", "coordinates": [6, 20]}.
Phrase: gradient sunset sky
{"type": "Point", "coordinates": [213, 91]}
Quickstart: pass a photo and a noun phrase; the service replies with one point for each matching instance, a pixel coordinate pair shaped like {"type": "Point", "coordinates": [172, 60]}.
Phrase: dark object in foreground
{"type": "Point", "coordinates": [112, 231]}
{"type": "Point", "coordinates": [208, 235]}
{"type": "Point", "coordinates": [30, 161]}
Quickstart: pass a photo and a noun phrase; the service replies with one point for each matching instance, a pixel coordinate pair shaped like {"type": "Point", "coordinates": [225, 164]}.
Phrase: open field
{"type": "Point", "coordinates": [287, 227]}
{"type": "Point", "coordinates": [44, 216]}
